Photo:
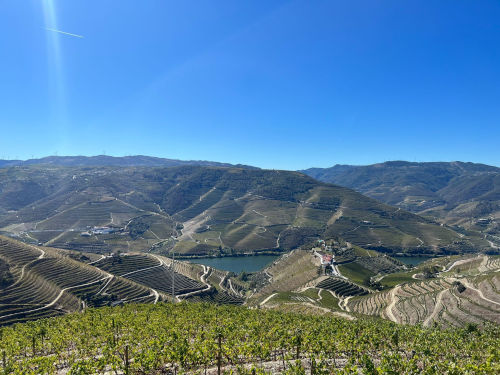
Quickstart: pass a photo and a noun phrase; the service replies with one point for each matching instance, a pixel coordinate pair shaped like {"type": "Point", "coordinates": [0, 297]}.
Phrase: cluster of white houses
{"type": "Point", "coordinates": [99, 230]}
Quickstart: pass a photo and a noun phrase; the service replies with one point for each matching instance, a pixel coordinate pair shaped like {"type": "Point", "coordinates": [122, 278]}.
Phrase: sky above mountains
{"type": "Point", "coordinates": [276, 84]}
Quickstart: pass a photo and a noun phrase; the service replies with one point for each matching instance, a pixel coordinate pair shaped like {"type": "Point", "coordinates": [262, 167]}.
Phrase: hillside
{"type": "Point", "coordinates": [46, 282]}
{"type": "Point", "coordinates": [460, 291]}
{"type": "Point", "coordinates": [205, 210]}
{"type": "Point", "coordinates": [456, 193]}
{"type": "Point", "coordinates": [39, 282]}
{"type": "Point", "coordinates": [449, 291]}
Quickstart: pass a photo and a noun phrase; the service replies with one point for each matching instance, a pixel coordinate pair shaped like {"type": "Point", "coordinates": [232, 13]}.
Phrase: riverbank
{"type": "Point", "coordinates": [274, 252]}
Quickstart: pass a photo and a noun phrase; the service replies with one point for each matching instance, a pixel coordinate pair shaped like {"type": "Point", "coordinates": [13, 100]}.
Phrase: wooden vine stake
{"type": "Point", "coordinates": [126, 360]}
{"type": "Point", "coordinates": [219, 354]}
{"type": "Point", "coordinates": [299, 342]}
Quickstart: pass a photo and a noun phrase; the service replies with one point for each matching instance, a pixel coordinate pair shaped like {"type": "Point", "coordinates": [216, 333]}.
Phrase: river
{"type": "Point", "coordinates": [237, 264]}
{"type": "Point", "coordinates": [413, 261]}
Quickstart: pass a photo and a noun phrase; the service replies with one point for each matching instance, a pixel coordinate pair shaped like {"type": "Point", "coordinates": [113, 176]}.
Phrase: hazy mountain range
{"type": "Point", "coordinates": [457, 193]}
{"type": "Point", "coordinates": [104, 160]}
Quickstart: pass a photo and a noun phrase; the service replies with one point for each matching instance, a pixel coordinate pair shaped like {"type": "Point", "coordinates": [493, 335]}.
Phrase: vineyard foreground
{"type": "Point", "coordinates": [200, 338]}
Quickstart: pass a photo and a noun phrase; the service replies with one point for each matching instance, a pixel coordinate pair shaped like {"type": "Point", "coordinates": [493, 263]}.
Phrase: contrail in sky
{"type": "Point", "coordinates": [65, 33]}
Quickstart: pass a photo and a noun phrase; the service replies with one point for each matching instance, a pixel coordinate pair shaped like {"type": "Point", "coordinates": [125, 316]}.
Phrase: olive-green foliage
{"type": "Point", "coordinates": [137, 228]}
{"type": "Point", "coordinates": [6, 277]}
{"type": "Point", "coordinates": [185, 337]}
{"type": "Point", "coordinates": [356, 273]}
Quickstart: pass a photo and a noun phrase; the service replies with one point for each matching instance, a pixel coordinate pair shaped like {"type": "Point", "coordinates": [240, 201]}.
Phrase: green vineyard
{"type": "Point", "coordinates": [203, 338]}
{"type": "Point", "coordinates": [149, 271]}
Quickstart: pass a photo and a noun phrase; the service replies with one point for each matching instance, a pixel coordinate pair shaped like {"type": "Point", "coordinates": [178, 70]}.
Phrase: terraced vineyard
{"type": "Point", "coordinates": [416, 297]}
{"type": "Point", "coordinates": [33, 296]}
{"type": "Point", "coordinates": [468, 292]}
{"type": "Point", "coordinates": [217, 297]}
{"type": "Point", "coordinates": [120, 265]}
{"type": "Point", "coordinates": [452, 192]}
{"type": "Point", "coordinates": [48, 282]}
{"type": "Point", "coordinates": [291, 271]}
{"type": "Point", "coordinates": [90, 213]}
{"type": "Point", "coordinates": [161, 280]}
{"type": "Point", "coordinates": [341, 287]}
{"type": "Point", "coordinates": [97, 247]}
{"type": "Point", "coordinates": [149, 271]}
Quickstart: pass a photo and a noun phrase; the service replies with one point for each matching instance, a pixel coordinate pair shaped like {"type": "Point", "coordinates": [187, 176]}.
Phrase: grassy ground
{"type": "Point", "coordinates": [311, 293]}
{"type": "Point", "coordinates": [364, 252]}
{"type": "Point", "coordinates": [329, 301]}
{"type": "Point", "coordinates": [306, 298]}
{"type": "Point", "coordinates": [356, 273]}
{"type": "Point", "coordinates": [394, 279]}
{"type": "Point", "coordinates": [184, 246]}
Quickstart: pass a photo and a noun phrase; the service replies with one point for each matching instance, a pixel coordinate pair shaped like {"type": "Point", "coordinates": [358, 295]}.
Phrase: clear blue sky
{"type": "Point", "coordinates": [276, 84]}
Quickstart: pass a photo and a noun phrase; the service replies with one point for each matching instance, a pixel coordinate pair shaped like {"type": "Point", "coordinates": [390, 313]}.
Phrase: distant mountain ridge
{"type": "Point", "coordinates": [112, 161]}
{"type": "Point", "coordinates": [456, 192]}
{"type": "Point", "coordinates": [355, 173]}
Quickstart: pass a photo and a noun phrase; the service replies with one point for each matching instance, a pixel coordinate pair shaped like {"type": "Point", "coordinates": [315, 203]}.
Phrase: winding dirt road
{"type": "Point", "coordinates": [394, 300]}
{"type": "Point", "coordinates": [470, 286]}
{"type": "Point", "coordinates": [267, 299]}
{"type": "Point", "coordinates": [27, 264]}
{"type": "Point", "coordinates": [437, 308]}
{"type": "Point", "coordinates": [203, 279]}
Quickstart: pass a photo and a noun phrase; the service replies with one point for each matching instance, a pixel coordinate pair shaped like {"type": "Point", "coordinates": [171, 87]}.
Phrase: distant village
{"type": "Point", "coordinates": [326, 256]}
{"type": "Point", "coordinates": [100, 230]}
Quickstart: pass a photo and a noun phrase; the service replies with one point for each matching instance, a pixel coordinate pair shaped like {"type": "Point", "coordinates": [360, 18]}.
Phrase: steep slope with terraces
{"type": "Point", "coordinates": [456, 193]}
{"type": "Point", "coordinates": [49, 282]}
{"type": "Point", "coordinates": [449, 291]}
{"type": "Point", "coordinates": [463, 290]}
{"type": "Point", "coordinates": [204, 210]}
{"type": "Point", "coordinates": [46, 281]}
